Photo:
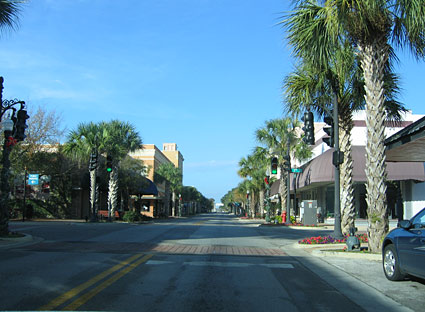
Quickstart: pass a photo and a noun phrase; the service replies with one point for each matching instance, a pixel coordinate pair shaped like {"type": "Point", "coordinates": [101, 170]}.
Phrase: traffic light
{"type": "Point", "coordinates": [93, 160]}
{"type": "Point", "coordinates": [21, 125]}
{"type": "Point", "coordinates": [287, 164]}
{"type": "Point", "coordinates": [109, 163]}
{"type": "Point", "coordinates": [308, 128]}
{"type": "Point", "coordinates": [329, 130]}
{"type": "Point", "coordinates": [274, 164]}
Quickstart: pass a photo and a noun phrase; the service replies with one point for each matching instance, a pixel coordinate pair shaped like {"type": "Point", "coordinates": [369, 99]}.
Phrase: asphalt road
{"type": "Point", "coordinates": [212, 262]}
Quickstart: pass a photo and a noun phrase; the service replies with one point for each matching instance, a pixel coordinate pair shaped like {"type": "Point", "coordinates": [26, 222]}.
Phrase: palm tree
{"type": "Point", "coordinates": [277, 135]}
{"type": "Point", "coordinates": [80, 144]}
{"type": "Point", "coordinates": [260, 155]}
{"type": "Point", "coordinates": [168, 173]}
{"type": "Point", "coordinates": [9, 13]}
{"type": "Point", "coordinates": [310, 88]}
{"type": "Point", "coordinates": [120, 138]}
{"type": "Point", "coordinates": [249, 169]}
{"type": "Point", "coordinates": [316, 29]}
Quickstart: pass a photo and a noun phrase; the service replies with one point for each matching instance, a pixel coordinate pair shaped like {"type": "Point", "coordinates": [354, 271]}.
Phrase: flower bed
{"type": "Point", "coordinates": [330, 240]}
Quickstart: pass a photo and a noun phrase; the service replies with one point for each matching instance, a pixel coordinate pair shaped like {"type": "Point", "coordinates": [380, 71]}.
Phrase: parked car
{"type": "Point", "coordinates": [403, 249]}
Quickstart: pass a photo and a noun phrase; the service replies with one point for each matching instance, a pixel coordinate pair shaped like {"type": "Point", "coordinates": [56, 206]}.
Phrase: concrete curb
{"type": "Point", "coordinates": [330, 250]}
{"type": "Point", "coordinates": [11, 242]}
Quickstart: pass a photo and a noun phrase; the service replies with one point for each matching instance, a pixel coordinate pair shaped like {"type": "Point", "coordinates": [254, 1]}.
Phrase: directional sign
{"type": "Point", "coordinates": [33, 179]}
{"type": "Point", "coordinates": [296, 170]}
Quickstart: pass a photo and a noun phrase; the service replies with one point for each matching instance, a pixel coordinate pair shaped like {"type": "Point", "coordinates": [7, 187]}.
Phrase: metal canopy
{"type": "Point", "coordinates": [407, 144]}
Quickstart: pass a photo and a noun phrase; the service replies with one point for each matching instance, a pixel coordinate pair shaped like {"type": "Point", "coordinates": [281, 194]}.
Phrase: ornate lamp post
{"type": "Point", "coordinates": [13, 129]}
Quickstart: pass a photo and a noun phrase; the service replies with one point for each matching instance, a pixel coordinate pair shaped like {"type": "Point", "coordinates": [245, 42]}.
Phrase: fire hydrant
{"type": "Point", "coordinates": [284, 217]}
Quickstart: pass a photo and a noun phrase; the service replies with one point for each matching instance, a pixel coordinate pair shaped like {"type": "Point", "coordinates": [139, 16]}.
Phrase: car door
{"type": "Point", "coordinates": [411, 246]}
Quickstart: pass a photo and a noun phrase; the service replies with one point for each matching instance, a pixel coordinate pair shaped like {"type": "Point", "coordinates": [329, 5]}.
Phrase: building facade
{"type": "Point", "coordinates": [156, 205]}
{"type": "Point", "coordinates": [405, 190]}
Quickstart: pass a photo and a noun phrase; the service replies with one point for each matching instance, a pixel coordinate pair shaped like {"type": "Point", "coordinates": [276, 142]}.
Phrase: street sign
{"type": "Point", "coordinates": [296, 170]}
{"type": "Point", "coordinates": [33, 179]}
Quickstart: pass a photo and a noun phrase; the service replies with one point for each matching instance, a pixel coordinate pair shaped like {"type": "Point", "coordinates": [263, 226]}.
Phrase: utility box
{"type": "Point", "coordinates": [310, 212]}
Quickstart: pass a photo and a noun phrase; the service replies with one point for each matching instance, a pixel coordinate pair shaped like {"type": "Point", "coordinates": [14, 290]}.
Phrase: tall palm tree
{"type": "Point", "coordinates": [276, 136]}
{"type": "Point", "coordinates": [9, 13]}
{"type": "Point", "coordinates": [311, 88]}
{"type": "Point", "coordinates": [79, 144]}
{"type": "Point", "coordinates": [120, 138]}
{"type": "Point", "coordinates": [317, 27]}
{"type": "Point", "coordinates": [260, 155]}
{"type": "Point", "coordinates": [169, 173]}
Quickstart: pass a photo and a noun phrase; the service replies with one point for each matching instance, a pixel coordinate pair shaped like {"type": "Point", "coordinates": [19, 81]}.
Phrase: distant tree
{"type": "Point", "coordinates": [120, 138]}
{"type": "Point", "coordinates": [276, 135]}
{"type": "Point", "coordinates": [80, 143]}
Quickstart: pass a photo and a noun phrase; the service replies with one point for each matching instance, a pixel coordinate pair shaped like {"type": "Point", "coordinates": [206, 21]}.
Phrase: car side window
{"type": "Point", "coordinates": [419, 220]}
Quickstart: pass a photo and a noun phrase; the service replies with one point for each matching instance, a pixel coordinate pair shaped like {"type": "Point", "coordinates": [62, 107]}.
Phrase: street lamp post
{"type": "Point", "coordinates": [10, 127]}
{"type": "Point", "coordinates": [4, 177]}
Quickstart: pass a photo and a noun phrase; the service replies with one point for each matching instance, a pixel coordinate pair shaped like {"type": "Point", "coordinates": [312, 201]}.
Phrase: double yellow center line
{"type": "Point", "coordinates": [129, 265]}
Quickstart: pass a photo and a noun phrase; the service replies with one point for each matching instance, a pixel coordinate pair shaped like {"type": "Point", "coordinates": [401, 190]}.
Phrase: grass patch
{"type": "Point", "coordinates": [12, 235]}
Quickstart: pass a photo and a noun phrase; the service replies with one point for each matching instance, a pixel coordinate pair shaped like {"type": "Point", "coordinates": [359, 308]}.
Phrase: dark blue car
{"type": "Point", "coordinates": [403, 249]}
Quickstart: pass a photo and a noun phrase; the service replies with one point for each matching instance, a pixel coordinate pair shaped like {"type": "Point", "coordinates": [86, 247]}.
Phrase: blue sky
{"type": "Point", "coordinates": [204, 74]}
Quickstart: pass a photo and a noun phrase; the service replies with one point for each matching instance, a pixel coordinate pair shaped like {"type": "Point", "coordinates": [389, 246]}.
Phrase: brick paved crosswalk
{"type": "Point", "coordinates": [112, 247]}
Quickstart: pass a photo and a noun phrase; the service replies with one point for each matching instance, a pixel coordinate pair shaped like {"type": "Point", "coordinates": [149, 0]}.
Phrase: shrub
{"type": "Point", "coordinates": [131, 216]}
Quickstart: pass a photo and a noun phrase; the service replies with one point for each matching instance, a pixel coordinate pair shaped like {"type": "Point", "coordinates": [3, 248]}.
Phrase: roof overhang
{"type": "Point", "coordinates": [408, 144]}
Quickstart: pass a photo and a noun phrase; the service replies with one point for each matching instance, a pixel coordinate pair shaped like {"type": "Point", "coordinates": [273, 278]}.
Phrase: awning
{"type": "Point", "coordinates": [408, 144]}
{"type": "Point", "coordinates": [320, 170]}
{"type": "Point", "coordinates": [147, 187]}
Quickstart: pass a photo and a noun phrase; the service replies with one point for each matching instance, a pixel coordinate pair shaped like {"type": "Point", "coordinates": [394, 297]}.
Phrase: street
{"type": "Point", "coordinates": [210, 262]}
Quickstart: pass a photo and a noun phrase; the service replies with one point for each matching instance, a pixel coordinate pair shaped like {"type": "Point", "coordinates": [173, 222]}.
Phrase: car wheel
{"type": "Point", "coordinates": [391, 265]}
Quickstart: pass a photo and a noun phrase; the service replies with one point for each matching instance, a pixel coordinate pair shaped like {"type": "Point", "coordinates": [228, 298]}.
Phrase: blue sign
{"type": "Point", "coordinates": [33, 179]}
{"type": "Point", "coordinates": [296, 170]}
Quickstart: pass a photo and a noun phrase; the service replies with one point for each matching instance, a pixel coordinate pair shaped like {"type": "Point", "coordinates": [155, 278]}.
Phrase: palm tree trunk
{"type": "Point", "coordinates": [173, 204]}
{"type": "Point", "coordinates": [93, 193]}
{"type": "Point", "coordinates": [112, 193]}
{"type": "Point", "coordinates": [261, 212]}
{"type": "Point", "coordinates": [348, 209]}
{"type": "Point", "coordinates": [373, 59]}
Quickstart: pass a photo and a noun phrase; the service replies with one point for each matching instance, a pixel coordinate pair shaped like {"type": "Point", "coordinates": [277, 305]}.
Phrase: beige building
{"type": "Point", "coordinates": [153, 205]}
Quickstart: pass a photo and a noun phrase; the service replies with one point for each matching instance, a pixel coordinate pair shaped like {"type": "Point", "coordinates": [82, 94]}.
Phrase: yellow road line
{"type": "Point", "coordinates": [75, 291]}
{"type": "Point", "coordinates": [87, 296]}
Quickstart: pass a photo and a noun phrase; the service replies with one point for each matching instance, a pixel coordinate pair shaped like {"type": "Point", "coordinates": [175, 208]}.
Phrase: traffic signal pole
{"type": "Point", "coordinates": [337, 204]}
